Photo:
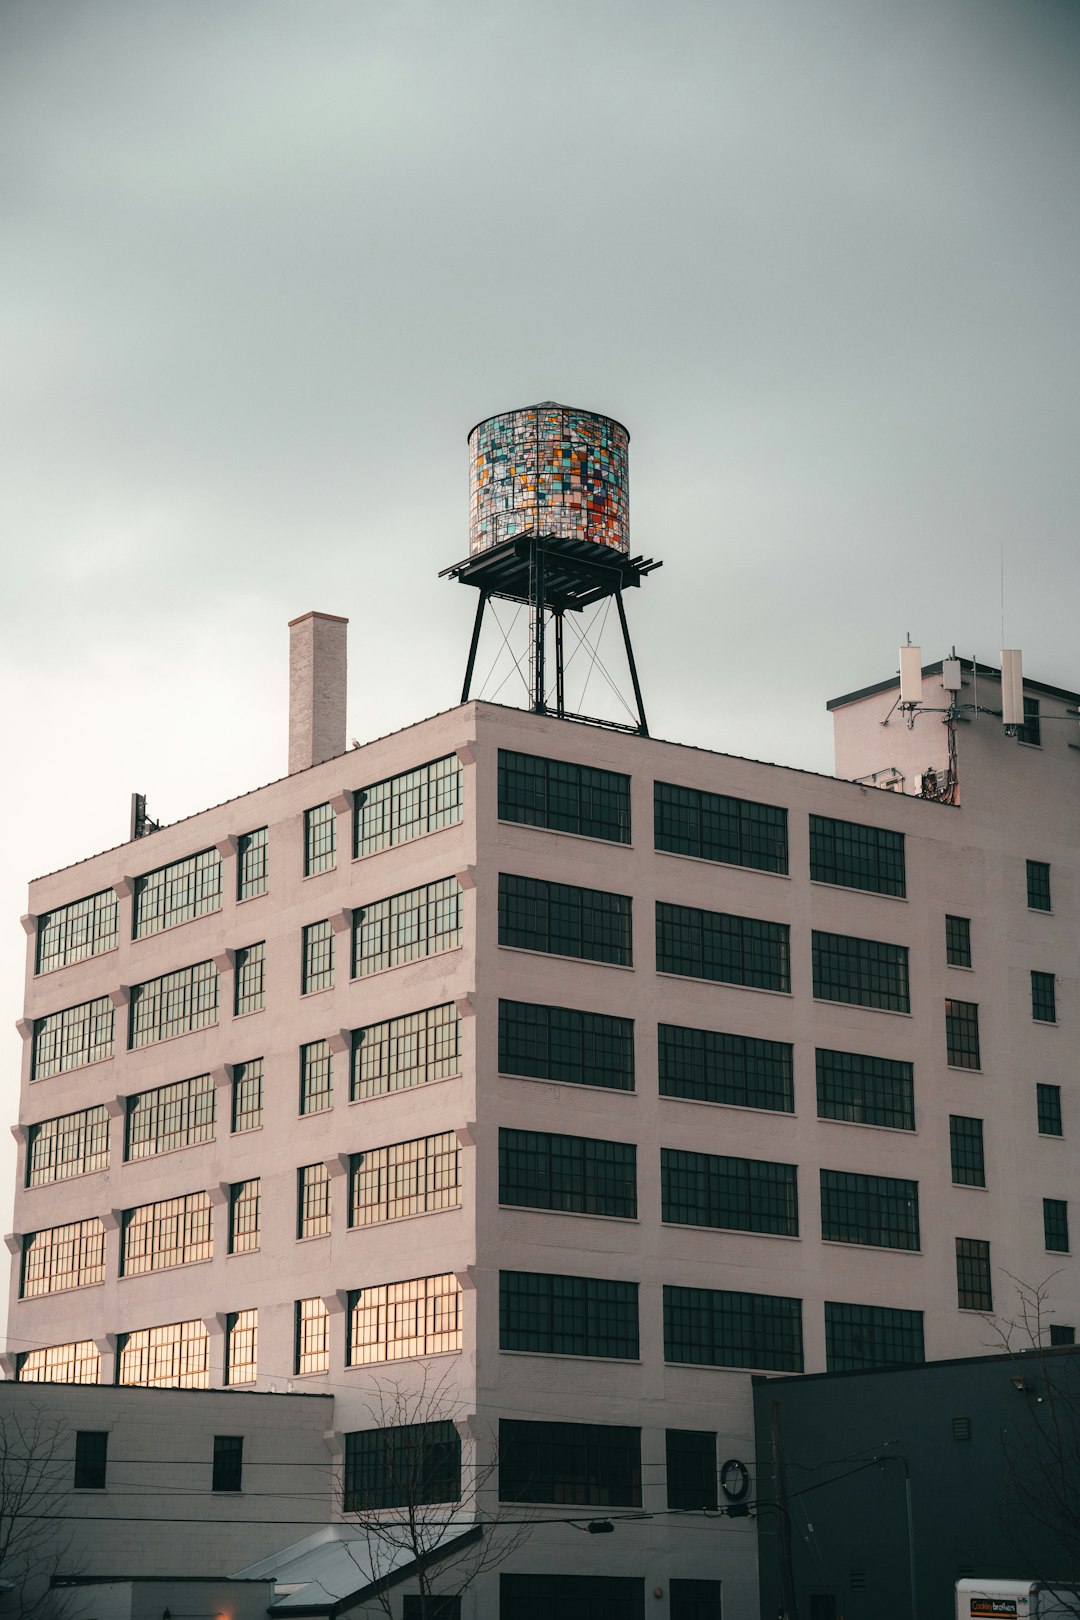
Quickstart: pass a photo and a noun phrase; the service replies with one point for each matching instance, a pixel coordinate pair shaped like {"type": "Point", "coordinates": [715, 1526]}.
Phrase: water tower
{"type": "Point", "coordinates": [549, 526]}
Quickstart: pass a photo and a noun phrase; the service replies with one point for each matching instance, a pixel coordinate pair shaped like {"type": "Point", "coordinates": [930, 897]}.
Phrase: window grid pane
{"type": "Point", "coordinates": [1031, 730]}
{"type": "Point", "coordinates": [575, 1174]}
{"type": "Point", "coordinates": [77, 1363]}
{"type": "Point", "coordinates": [316, 1078]}
{"type": "Point", "coordinates": [74, 932]}
{"type": "Point", "coordinates": [861, 972]}
{"type": "Point", "coordinates": [865, 1090]}
{"type": "Point", "coordinates": [565, 921]}
{"type": "Point", "coordinates": [1056, 1225]}
{"type": "Point", "coordinates": [63, 1257]}
{"type": "Point", "coordinates": [879, 1210]}
{"type": "Point", "coordinates": [966, 1151]}
{"type": "Point", "coordinates": [958, 941]}
{"type": "Point", "coordinates": [710, 1066]}
{"type": "Point", "coordinates": [176, 1356]}
{"type": "Point", "coordinates": [250, 978]}
{"type": "Point", "coordinates": [856, 856]}
{"type": "Point", "coordinates": [572, 1597]}
{"type": "Point", "coordinates": [70, 1145]}
{"type": "Point", "coordinates": [172, 1232]}
{"type": "Point", "coordinates": [569, 798]}
{"type": "Point", "coordinates": [312, 1336]}
{"type": "Point", "coordinates": [715, 1328]}
{"type": "Point", "coordinates": [317, 969]}
{"type": "Point", "coordinates": [242, 1347]}
{"type": "Point", "coordinates": [862, 1336]}
{"type": "Point", "coordinates": [404, 927]}
{"type": "Point", "coordinates": [421, 1317]}
{"type": "Point", "coordinates": [176, 893]}
{"type": "Point", "coordinates": [568, 1316]}
{"type": "Point", "coordinates": [565, 1044]}
{"type": "Point", "coordinates": [320, 839]}
{"type": "Point", "coordinates": [740, 1195]}
{"type": "Point", "coordinates": [1038, 885]}
{"type": "Point", "coordinates": [1048, 1105]}
{"type": "Point", "coordinates": [73, 1038]}
{"type": "Point", "coordinates": [591, 1464]}
{"type": "Point", "coordinates": [1043, 998]}
{"type": "Point", "coordinates": [962, 1034]}
{"type": "Point", "coordinates": [722, 948]}
{"type": "Point", "coordinates": [408, 806]}
{"type": "Point", "coordinates": [313, 1201]}
{"type": "Point", "coordinates": [251, 864]}
{"type": "Point", "coordinates": [403, 1466]}
{"type": "Point", "coordinates": [170, 1117]}
{"type": "Point", "coordinates": [407, 1178]}
{"type": "Point", "coordinates": [973, 1290]}
{"type": "Point", "coordinates": [245, 1203]}
{"type": "Point", "coordinates": [247, 1095]}
{"type": "Point", "coordinates": [714, 827]}
{"type": "Point", "coordinates": [404, 1052]}
{"type": "Point", "coordinates": [175, 1004]}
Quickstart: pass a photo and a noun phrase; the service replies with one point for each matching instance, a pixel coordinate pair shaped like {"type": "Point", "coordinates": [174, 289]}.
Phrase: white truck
{"type": "Point", "coordinates": [1016, 1600]}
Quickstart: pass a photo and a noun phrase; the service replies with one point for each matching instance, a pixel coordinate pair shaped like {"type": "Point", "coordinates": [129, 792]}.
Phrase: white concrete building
{"type": "Point", "coordinates": [574, 1072]}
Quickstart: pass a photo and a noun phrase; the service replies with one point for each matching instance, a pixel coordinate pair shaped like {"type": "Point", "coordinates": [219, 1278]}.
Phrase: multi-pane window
{"type": "Point", "coordinates": [726, 949]}
{"type": "Point", "coordinates": [855, 856]}
{"type": "Point", "coordinates": [1031, 730]}
{"type": "Point", "coordinates": [1048, 1108]}
{"type": "Point", "coordinates": [1060, 1334]}
{"type": "Point", "coordinates": [72, 1038]}
{"type": "Point", "coordinates": [174, 894]}
{"type": "Point", "coordinates": [320, 839]}
{"type": "Point", "coordinates": [691, 1469]}
{"type": "Point", "coordinates": [879, 1210]}
{"type": "Point", "coordinates": [1056, 1225]}
{"type": "Point", "coordinates": [404, 1052]}
{"type": "Point", "coordinates": [568, 1316]}
{"type": "Point", "coordinates": [71, 933]}
{"type": "Point", "coordinates": [572, 1597]}
{"type": "Point", "coordinates": [250, 978]}
{"type": "Point", "coordinates": [579, 1175]}
{"type": "Point", "coordinates": [407, 1178]}
{"type": "Point", "coordinates": [407, 806]}
{"type": "Point", "coordinates": [70, 1145]}
{"type": "Point", "coordinates": [717, 828]}
{"type": "Point", "coordinates": [710, 1327]}
{"type": "Point", "coordinates": [312, 1336]}
{"type": "Point", "coordinates": [966, 1151]}
{"type": "Point", "coordinates": [251, 864]}
{"type": "Point", "coordinates": [175, 1004]}
{"type": "Point", "coordinates": [174, 1356]}
{"type": "Point", "coordinates": [245, 1206]}
{"type": "Point", "coordinates": [62, 1257]}
{"type": "Point", "coordinates": [973, 1289]}
{"type": "Point", "coordinates": [317, 959]}
{"type": "Point", "coordinates": [228, 1462]}
{"type": "Point", "coordinates": [316, 1078]}
{"type": "Point", "coordinates": [696, 1600]}
{"type": "Point", "coordinates": [592, 1464]}
{"type": "Point", "coordinates": [566, 798]}
{"type": "Point", "coordinates": [962, 1034]}
{"type": "Point", "coordinates": [421, 1317]}
{"type": "Point", "coordinates": [741, 1195]}
{"type": "Point", "coordinates": [862, 972]}
{"type": "Point", "coordinates": [312, 1200]}
{"type": "Point", "coordinates": [172, 1232]}
{"type": "Point", "coordinates": [958, 941]}
{"type": "Point", "coordinates": [864, 1336]}
{"type": "Point", "coordinates": [75, 1363]}
{"type": "Point", "coordinates": [865, 1090]}
{"type": "Point", "coordinates": [1043, 998]}
{"type": "Point", "coordinates": [566, 1044]}
{"type": "Point", "coordinates": [91, 1453]}
{"type": "Point", "coordinates": [169, 1117]}
{"type": "Point", "coordinates": [242, 1347]}
{"type": "Point", "coordinates": [711, 1066]}
{"type": "Point", "coordinates": [402, 1466]}
{"type": "Point", "coordinates": [405, 927]}
{"type": "Point", "coordinates": [1038, 885]}
{"type": "Point", "coordinates": [247, 1095]}
{"type": "Point", "coordinates": [565, 921]}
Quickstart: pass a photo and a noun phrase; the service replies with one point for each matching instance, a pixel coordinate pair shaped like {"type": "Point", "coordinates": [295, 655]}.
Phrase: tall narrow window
{"type": "Point", "coordinates": [70, 1145]}
{"type": "Point", "coordinates": [1043, 998]}
{"type": "Point", "coordinates": [958, 941]}
{"type": "Point", "coordinates": [91, 1452]}
{"type": "Point", "coordinates": [966, 1151]}
{"type": "Point", "coordinates": [316, 1077]}
{"type": "Point", "coordinates": [71, 933]}
{"type": "Point", "coordinates": [1038, 885]}
{"type": "Point", "coordinates": [312, 1337]}
{"type": "Point", "coordinates": [250, 978]}
{"type": "Point", "coordinates": [713, 827]}
{"type": "Point", "coordinates": [242, 1347]}
{"type": "Point", "coordinates": [408, 806]}
{"type": "Point", "coordinates": [1048, 1107]}
{"type": "Point", "coordinates": [570, 798]}
{"type": "Point", "coordinates": [565, 921]}
{"type": "Point", "coordinates": [320, 839]}
{"type": "Point", "coordinates": [317, 965]}
{"type": "Point", "coordinates": [973, 1290]}
{"type": "Point", "coordinates": [1031, 730]}
{"type": "Point", "coordinates": [722, 948]}
{"type": "Point", "coordinates": [312, 1201]}
{"type": "Point", "coordinates": [244, 1216]}
{"type": "Point", "coordinates": [856, 856]}
{"type": "Point", "coordinates": [962, 1034]}
{"type": "Point", "coordinates": [691, 1469]}
{"type": "Point", "coordinates": [228, 1462]}
{"type": "Point", "coordinates": [247, 1095]}
{"type": "Point", "coordinates": [251, 864]}
{"type": "Point", "coordinates": [1056, 1225]}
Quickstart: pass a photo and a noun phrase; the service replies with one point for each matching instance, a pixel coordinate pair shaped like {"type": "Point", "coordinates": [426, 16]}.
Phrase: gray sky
{"type": "Point", "coordinates": [264, 264]}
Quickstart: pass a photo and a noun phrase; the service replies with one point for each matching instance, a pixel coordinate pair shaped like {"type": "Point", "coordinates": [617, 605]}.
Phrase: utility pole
{"type": "Point", "coordinates": [783, 1528]}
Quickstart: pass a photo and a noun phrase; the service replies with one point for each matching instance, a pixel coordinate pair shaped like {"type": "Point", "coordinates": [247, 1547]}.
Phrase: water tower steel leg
{"type": "Point", "coordinates": [482, 597]}
{"type": "Point", "coordinates": [642, 723]}
{"type": "Point", "coordinates": [539, 627]}
{"type": "Point", "coordinates": [560, 694]}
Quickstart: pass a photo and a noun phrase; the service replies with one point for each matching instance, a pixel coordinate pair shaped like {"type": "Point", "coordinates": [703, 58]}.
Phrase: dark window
{"type": "Point", "coordinates": [402, 1466]}
{"type": "Point", "coordinates": [958, 941]}
{"type": "Point", "coordinates": [860, 1336]}
{"type": "Point", "coordinates": [571, 1597]}
{"type": "Point", "coordinates": [1048, 1105]}
{"type": "Point", "coordinates": [576, 1174]}
{"type": "Point", "coordinates": [714, 1328]}
{"type": "Point", "coordinates": [438, 1608]}
{"type": "Point", "coordinates": [1060, 1334]}
{"type": "Point", "coordinates": [565, 921]}
{"type": "Point", "coordinates": [710, 1066]}
{"type": "Point", "coordinates": [1043, 998]}
{"type": "Point", "coordinates": [1056, 1225]}
{"type": "Point", "coordinates": [566, 798]}
{"type": "Point", "coordinates": [320, 839]}
{"type": "Point", "coordinates": [879, 1210]}
{"type": "Point", "coordinates": [716, 828]}
{"type": "Point", "coordinates": [568, 1316]}
{"type": "Point", "coordinates": [962, 1034]}
{"type": "Point", "coordinates": [966, 1151]}
{"type": "Point", "coordinates": [251, 864]}
{"type": "Point", "coordinates": [694, 1600]}
{"type": "Point", "coordinates": [855, 856]}
{"type": "Point", "coordinates": [91, 1451]}
{"type": "Point", "coordinates": [866, 1090]}
{"type": "Point", "coordinates": [317, 958]}
{"type": "Point", "coordinates": [691, 1468]}
{"type": "Point", "coordinates": [1038, 885]}
{"type": "Point", "coordinates": [725, 949]}
{"type": "Point", "coordinates": [591, 1464]}
{"type": "Point", "coordinates": [742, 1195]}
{"type": "Point", "coordinates": [961, 1428]}
{"type": "Point", "coordinates": [228, 1462]}
{"type": "Point", "coordinates": [973, 1291]}
{"type": "Point", "coordinates": [562, 1043]}
{"type": "Point", "coordinates": [863, 972]}
{"type": "Point", "coordinates": [822, 1606]}
{"type": "Point", "coordinates": [1031, 730]}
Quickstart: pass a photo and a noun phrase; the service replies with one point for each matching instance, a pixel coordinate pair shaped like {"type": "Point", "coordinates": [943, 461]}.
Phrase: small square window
{"type": "Point", "coordinates": [1038, 885]}
{"type": "Point", "coordinates": [228, 1462]}
{"type": "Point", "coordinates": [1060, 1334]}
{"type": "Point", "coordinates": [91, 1450]}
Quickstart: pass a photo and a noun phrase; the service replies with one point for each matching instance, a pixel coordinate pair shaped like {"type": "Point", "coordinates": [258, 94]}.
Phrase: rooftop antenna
{"type": "Point", "coordinates": [141, 823]}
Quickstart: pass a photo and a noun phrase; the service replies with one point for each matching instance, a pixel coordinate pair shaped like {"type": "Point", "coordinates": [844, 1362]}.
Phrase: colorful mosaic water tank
{"type": "Point", "coordinates": [549, 469]}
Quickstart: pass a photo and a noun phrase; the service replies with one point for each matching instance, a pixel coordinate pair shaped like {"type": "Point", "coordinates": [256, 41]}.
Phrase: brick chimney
{"type": "Point", "coordinates": [317, 665]}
